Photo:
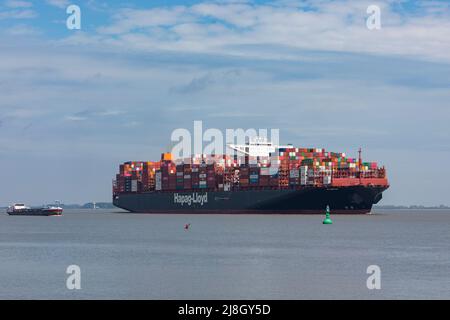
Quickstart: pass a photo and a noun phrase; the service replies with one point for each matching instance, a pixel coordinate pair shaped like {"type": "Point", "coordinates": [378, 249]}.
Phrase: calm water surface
{"type": "Point", "coordinates": [132, 256]}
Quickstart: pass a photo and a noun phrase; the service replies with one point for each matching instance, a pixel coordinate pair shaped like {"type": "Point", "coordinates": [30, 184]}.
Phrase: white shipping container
{"type": "Point", "coordinates": [273, 170]}
{"type": "Point", "coordinates": [294, 173]}
{"type": "Point", "coordinates": [134, 185]}
{"type": "Point", "coordinates": [158, 185]}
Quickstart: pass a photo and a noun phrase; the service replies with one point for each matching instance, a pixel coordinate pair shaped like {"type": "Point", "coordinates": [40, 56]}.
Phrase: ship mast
{"type": "Point", "coordinates": [359, 165]}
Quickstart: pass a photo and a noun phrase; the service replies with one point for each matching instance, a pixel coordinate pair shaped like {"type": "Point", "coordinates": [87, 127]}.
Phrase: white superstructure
{"type": "Point", "coordinates": [17, 207]}
{"type": "Point", "coordinates": [257, 147]}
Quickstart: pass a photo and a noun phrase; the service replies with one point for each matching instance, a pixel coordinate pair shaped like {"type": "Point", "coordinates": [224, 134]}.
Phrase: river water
{"type": "Point", "coordinates": [138, 256]}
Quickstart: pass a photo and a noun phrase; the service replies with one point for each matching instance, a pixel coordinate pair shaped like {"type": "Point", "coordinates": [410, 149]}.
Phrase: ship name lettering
{"type": "Point", "coordinates": [189, 199]}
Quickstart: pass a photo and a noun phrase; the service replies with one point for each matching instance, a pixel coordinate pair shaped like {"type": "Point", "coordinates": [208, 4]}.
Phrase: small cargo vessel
{"type": "Point", "coordinates": [20, 209]}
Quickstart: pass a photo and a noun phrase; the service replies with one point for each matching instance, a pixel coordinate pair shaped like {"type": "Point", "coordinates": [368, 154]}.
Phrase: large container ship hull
{"type": "Point", "coordinates": [307, 200]}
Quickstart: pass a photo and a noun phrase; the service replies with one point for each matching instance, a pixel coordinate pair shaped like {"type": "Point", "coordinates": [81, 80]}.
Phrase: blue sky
{"type": "Point", "coordinates": [75, 103]}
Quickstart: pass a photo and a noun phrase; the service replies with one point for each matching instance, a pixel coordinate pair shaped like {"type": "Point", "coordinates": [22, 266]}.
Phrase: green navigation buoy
{"type": "Point", "coordinates": [327, 217]}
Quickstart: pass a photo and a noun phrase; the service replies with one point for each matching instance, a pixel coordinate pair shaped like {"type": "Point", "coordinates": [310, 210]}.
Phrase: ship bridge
{"type": "Point", "coordinates": [257, 147]}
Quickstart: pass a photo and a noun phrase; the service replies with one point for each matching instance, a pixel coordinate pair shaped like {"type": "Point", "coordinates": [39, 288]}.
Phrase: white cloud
{"type": "Point", "coordinates": [18, 14]}
{"type": "Point", "coordinates": [21, 30]}
{"type": "Point", "coordinates": [18, 4]}
{"type": "Point", "coordinates": [94, 114]}
{"type": "Point", "coordinates": [107, 113]}
{"type": "Point", "coordinates": [231, 28]}
{"type": "Point", "coordinates": [131, 19]}
{"type": "Point", "coordinates": [75, 118]}
{"type": "Point", "coordinates": [59, 3]}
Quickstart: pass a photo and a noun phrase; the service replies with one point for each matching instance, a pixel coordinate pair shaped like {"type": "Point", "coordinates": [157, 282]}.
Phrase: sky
{"type": "Point", "coordinates": [76, 103]}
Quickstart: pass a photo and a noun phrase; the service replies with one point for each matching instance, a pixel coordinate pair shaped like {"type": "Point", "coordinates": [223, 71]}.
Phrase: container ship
{"type": "Point", "coordinates": [257, 177]}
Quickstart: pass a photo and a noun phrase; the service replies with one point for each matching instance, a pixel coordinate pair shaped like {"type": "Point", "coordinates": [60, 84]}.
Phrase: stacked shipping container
{"type": "Point", "coordinates": [287, 168]}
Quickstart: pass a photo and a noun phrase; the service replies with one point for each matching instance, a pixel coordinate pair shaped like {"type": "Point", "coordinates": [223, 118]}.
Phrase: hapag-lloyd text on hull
{"type": "Point", "coordinates": [190, 199]}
